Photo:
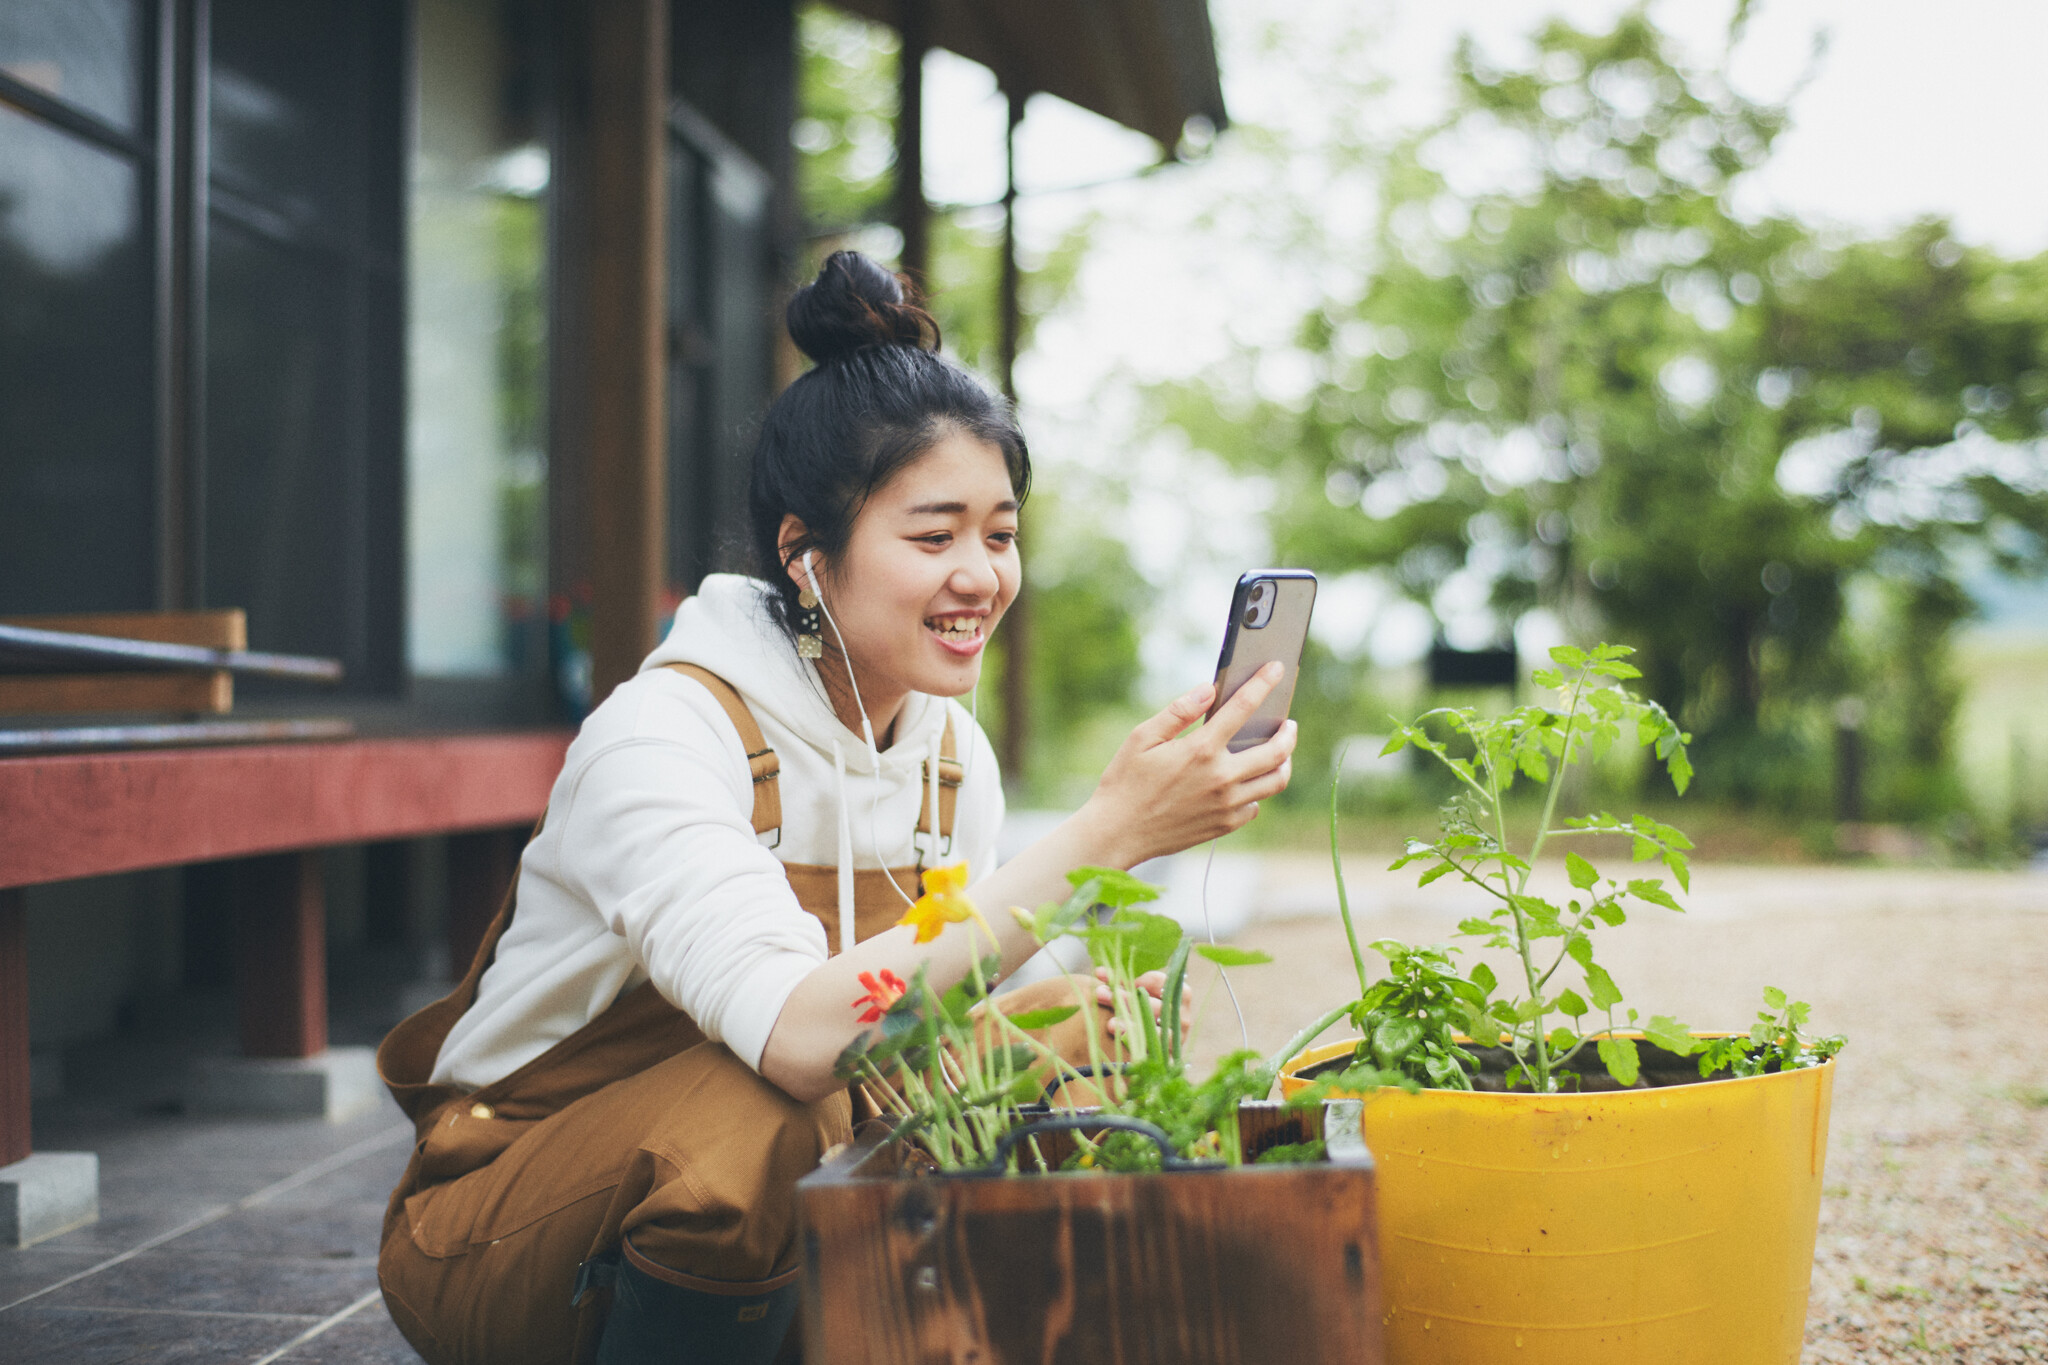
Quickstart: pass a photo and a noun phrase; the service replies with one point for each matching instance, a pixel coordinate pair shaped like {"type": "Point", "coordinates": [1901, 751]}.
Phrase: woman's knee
{"type": "Point", "coordinates": [718, 1180]}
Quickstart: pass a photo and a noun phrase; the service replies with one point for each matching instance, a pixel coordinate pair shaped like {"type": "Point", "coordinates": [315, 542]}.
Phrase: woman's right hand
{"type": "Point", "coordinates": [1166, 790]}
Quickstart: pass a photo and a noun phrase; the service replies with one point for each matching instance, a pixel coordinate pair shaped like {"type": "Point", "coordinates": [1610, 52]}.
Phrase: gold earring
{"type": "Point", "coordinates": [810, 639]}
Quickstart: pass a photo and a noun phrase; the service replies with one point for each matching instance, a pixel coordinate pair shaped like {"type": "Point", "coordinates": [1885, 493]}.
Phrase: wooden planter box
{"type": "Point", "coordinates": [1184, 1267]}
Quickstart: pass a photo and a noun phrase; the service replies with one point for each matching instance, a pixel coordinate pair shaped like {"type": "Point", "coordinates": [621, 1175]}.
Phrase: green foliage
{"type": "Point", "coordinates": [1603, 392]}
{"type": "Point", "coordinates": [1775, 1042]}
{"type": "Point", "coordinates": [845, 129]}
{"type": "Point", "coordinates": [956, 1074]}
{"type": "Point", "coordinates": [1411, 1020]}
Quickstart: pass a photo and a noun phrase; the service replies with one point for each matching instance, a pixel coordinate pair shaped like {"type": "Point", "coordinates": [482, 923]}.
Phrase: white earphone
{"type": "Point", "coordinates": [867, 728]}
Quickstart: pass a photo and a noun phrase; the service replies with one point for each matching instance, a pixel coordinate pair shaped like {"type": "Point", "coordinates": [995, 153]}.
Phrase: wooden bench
{"type": "Point", "coordinates": [265, 810]}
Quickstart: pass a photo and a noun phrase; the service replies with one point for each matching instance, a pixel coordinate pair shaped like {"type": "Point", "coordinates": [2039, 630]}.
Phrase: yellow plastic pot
{"type": "Point", "coordinates": [1671, 1226]}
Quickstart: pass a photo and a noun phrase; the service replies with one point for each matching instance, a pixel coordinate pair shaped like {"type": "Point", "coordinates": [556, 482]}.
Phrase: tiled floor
{"type": "Point", "coordinates": [219, 1240]}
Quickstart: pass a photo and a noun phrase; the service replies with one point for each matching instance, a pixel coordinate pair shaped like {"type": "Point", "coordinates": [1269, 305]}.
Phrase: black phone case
{"type": "Point", "coordinates": [1246, 650]}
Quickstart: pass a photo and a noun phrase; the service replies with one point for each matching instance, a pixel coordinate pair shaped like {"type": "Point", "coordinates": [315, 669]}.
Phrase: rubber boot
{"type": "Point", "coordinates": [661, 1317]}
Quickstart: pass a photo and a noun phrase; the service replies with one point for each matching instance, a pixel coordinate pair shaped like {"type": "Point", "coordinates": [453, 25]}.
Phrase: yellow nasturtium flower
{"type": "Point", "coordinates": [944, 902]}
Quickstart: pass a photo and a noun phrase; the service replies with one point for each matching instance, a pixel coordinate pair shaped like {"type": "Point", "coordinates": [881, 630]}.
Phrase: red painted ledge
{"type": "Point", "coordinates": [86, 815]}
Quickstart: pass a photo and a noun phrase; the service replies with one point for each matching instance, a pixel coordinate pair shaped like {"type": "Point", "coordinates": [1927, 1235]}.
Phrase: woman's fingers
{"type": "Point", "coordinates": [1267, 756]}
{"type": "Point", "coordinates": [1231, 716]}
{"type": "Point", "coordinates": [1179, 714]}
{"type": "Point", "coordinates": [1265, 784]}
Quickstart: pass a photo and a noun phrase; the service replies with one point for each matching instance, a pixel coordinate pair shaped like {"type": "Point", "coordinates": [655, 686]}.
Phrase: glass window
{"type": "Point", "coordinates": [285, 108]}
{"type": "Point", "coordinates": [87, 53]}
{"type": "Point", "coordinates": [476, 443]}
{"type": "Point", "coordinates": [77, 401]}
{"type": "Point", "coordinates": [304, 309]}
{"type": "Point", "coordinates": [281, 483]}
{"type": "Point", "coordinates": [720, 286]}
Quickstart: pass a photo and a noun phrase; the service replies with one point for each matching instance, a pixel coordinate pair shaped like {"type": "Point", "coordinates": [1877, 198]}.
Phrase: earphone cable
{"type": "Point", "coordinates": [867, 732]}
{"type": "Point", "coordinates": [1243, 1029]}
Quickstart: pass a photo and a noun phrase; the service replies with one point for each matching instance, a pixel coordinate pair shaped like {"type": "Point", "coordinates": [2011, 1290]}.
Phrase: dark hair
{"type": "Point", "coordinates": [879, 396]}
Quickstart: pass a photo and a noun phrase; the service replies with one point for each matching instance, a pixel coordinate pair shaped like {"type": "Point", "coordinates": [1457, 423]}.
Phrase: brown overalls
{"type": "Point", "coordinates": [634, 1124]}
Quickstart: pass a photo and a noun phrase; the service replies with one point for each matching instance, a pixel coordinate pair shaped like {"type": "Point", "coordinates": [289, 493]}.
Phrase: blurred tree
{"type": "Point", "coordinates": [846, 115]}
{"type": "Point", "coordinates": [1577, 377]}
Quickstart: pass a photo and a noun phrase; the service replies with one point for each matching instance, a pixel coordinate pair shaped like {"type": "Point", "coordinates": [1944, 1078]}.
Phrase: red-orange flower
{"type": "Point", "coordinates": [881, 994]}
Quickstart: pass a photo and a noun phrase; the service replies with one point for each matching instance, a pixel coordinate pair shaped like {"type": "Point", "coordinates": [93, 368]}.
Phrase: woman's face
{"type": "Point", "coordinates": [929, 569]}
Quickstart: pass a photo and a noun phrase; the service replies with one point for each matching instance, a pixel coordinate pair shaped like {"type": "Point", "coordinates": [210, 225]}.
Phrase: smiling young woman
{"type": "Point", "coordinates": [616, 1103]}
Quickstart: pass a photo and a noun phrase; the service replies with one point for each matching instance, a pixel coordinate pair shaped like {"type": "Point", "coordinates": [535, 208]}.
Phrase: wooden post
{"type": "Point", "coordinates": [1016, 681]}
{"type": "Point", "coordinates": [481, 866]}
{"type": "Point", "coordinates": [281, 955]}
{"type": "Point", "coordinates": [625, 356]}
{"type": "Point", "coordinates": [913, 215]}
{"type": "Point", "coordinates": [14, 1093]}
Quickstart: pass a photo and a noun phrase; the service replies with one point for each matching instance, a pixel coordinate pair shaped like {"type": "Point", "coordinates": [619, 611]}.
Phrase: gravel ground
{"type": "Point", "coordinates": [1934, 1225]}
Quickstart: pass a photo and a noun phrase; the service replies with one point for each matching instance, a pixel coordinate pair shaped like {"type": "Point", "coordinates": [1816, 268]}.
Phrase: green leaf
{"type": "Point", "coordinates": [1114, 887]}
{"type": "Point", "coordinates": [1393, 1039]}
{"type": "Point", "coordinates": [1671, 1035]}
{"type": "Point", "coordinates": [1774, 997]}
{"type": "Point", "coordinates": [1439, 870]}
{"type": "Point", "coordinates": [1045, 1018]}
{"type": "Point", "coordinates": [1583, 874]}
{"type": "Point", "coordinates": [1570, 1002]}
{"type": "Point", "coordinates": [1138, 940]}
{"type": "Point", "coordinates": [1580, 949]}
{"type": "Point", "coordinates": [1606, 995]}
{"type": "Point", "coordinates": [1620, 1058]}
{"type": "Point", "coordinates": [1569, 657]}
{"type": "Point", "coordinates": [1478, 928]}
{"type": "Point", "coordinates": [1651, 889]}
{"type": "Point", "coordinates": [1482, 976]}
{"type": "Point", "coordinates": [1561, 1039]}
{"type": "Point", "coordinates": [1225, 956]}
{"type": "Point", "coordinates": [1176, 978]}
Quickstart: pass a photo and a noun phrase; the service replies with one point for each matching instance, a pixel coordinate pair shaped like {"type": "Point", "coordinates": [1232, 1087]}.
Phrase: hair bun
{"type": "Point", "coordinates": [855, 303]}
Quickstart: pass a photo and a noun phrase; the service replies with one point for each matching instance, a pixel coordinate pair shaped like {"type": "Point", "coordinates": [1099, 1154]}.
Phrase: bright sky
{"type": "Point", "coordinates": [1914, 109]}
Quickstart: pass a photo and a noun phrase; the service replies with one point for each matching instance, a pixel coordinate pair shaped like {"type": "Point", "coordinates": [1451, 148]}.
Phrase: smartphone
{"type": "Point", "coordinates": [1268, 621]}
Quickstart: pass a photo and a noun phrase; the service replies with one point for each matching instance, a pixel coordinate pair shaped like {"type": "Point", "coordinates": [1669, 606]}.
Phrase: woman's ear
{"type": "Point", "coordinates": [791, 535]}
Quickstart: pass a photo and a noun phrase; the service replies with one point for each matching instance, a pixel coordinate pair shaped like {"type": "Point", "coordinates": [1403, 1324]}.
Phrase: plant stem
{"type": "Point", "coordinates": [1344, 900]}
{"type": "Point", "coordinates": [1294, 1045]}
{"type": "Point", "coordinates": [1522, 946]}
{"type": "Point", "coordinates": [1564, 761]}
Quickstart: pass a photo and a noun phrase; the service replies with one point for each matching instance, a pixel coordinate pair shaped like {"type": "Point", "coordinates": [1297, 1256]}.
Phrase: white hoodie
{"type": "Point", "coordinates": [648, 865]}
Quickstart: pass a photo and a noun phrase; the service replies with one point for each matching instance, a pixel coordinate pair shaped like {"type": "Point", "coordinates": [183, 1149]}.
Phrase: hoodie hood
{"type": "Point", "coordinates": [728, 628]}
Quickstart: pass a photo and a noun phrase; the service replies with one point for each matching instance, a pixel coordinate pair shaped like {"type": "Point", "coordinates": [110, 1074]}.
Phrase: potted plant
{"type": "Point", "coordinates": [1570, 1182]}
{"type": "Point", "coordinates": [1015, 1206]}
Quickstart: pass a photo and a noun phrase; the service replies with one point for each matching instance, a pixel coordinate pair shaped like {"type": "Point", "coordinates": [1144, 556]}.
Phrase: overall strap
{"type": "Point", "coordinates": [951, 776]}
{"type": "Point", "coordinates": [761, 760]}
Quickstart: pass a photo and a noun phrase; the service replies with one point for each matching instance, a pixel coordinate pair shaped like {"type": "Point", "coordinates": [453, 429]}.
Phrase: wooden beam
{"type": "Point", "coordinates": [49, 694]}
{"type": "Point", "coordinates": [71, 694]}
{"type": "Point", "coordinates": [1016, 681]}
{"type": "Point", "coordinates": [227, 628]}
{"type": "Point", "coordinates": [913, 214]}
{"type": "Point", "coordinates": [14, 1083]}
{"type": "Point", "coordinates": [86, 815]}
{"type": "Point", "coordinates": [281, 955]}
{"type": "Point", "coordinates": [625, 329]}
